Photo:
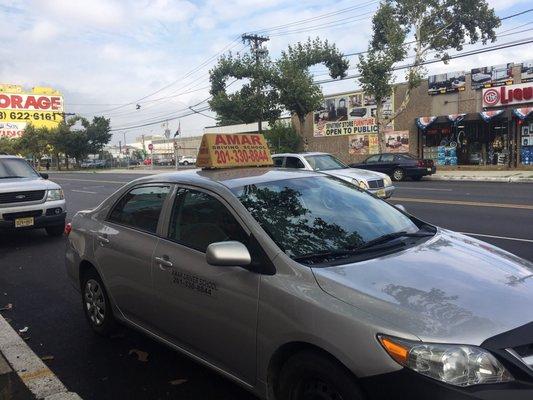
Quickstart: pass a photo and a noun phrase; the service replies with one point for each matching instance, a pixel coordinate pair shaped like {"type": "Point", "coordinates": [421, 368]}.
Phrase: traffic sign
{"type": "Point", "coordinates": [150, 147]}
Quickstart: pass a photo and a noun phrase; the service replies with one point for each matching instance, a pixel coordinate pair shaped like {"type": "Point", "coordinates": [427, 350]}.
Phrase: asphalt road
{"type": "Point", "coordinates": [33, 279]}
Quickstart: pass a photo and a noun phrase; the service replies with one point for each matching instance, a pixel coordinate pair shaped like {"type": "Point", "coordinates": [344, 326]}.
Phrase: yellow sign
{"type": "Point", "coordinates": [42, 107]}
{"type": "Point", "coordinates": [233, 150]}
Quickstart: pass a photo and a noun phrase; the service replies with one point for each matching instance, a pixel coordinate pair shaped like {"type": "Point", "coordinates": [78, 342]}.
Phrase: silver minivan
{"type": "Point", "coordinates": [298, 285]}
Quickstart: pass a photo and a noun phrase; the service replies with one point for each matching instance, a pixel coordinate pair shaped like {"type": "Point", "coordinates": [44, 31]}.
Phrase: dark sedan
{"type": "Point", "coordinates": [398, 166]}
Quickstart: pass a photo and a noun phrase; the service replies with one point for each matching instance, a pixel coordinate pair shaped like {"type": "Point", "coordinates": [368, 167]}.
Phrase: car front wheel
{"type": "Point", "coordinates": [96, 305]}
{"type": "Point", "coordinates": [310, 375]}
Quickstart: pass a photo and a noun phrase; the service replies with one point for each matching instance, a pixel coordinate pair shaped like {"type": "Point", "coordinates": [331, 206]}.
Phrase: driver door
{"type": "Point", "coordinates": [208, 310]}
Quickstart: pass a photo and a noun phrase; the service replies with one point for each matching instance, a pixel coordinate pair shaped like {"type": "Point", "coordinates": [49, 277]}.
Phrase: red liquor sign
{"type": "Point", "coordinates": [511, 94]}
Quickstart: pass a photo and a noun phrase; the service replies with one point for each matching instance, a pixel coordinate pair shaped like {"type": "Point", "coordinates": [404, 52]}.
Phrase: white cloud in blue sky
{"type": "Point", "coordinates": [104, 53]}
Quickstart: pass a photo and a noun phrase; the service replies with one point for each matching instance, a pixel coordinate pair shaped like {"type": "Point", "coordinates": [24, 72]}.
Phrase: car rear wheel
{"type": "Point", "coordinates": [398, 174]}
{"type": "Point", "coordinates": [56, 230]}
{"type": "Point", "coordinates": [311, 376]}
{"type": "Point", "coordinates": [96, 305]}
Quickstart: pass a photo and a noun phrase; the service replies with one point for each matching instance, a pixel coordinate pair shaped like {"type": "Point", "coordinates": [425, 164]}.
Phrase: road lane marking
{"type": "Point", "coordinates": [82, 191]}
{"type": "Point", "coordinates": [463, 203]}
{"type": "Point", "coordinates": [419, 188]}
{"type": "Point", "coordinates": [497, 237]}
{"type": "Point", "coordinates": [89, 180]}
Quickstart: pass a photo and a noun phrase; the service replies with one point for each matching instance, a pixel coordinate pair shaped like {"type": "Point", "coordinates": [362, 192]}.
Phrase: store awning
{"type": "Point", "coordinates": [488, 115]}
{"type": "Point", "coordinates": [523, 112]}
{"type": "Point", "coordinates": [424, 122]}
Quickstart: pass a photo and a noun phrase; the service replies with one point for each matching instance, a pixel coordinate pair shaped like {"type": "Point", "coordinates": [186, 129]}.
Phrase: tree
{"type": "Point", "coordinates": [254, 101]}
{"type": "Point", "coordinates": [33, 142]}
{"type": "Point", "coordinates": [297, 91]}
{"type": "Point", "coordinates": [284, 84]}
{"type": "Point", "coordinates": [97, 133]}
{"type": "Point", "coordinates": [283, 138]}
{"type": "Point", "coordinates": [425, 25]}
{"type": "Point", "coordinates": [8, 145]}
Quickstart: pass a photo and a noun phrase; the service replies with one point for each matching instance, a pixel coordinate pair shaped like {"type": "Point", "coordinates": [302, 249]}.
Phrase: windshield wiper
{"type": "Point", "coordinates": [391, 236]}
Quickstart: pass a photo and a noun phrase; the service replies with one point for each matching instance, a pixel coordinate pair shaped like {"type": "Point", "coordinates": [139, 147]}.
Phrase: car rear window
{"type": "Point", "coordinates": [140, 208]}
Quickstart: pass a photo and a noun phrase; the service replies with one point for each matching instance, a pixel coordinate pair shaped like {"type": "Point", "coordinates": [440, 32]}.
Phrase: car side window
{"type": "Point", "coordinates": [140, 208]}
{"type": "Point", "coordinates": [278, 161]}
{"type": "Point", "coordinates": [386, 158]}
{"type": "Point", "coordinates": [372, 160]}
{"type": "Point", "coordinates": [294, 162]}
{"type": "Point", "coordinates": [198, 219]}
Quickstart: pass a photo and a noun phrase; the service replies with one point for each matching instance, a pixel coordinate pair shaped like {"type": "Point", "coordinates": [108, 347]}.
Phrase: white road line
{"type": "Point", "coordinates": [82, 191]}
{"type": "Point", "coordinates": [498, 237]}
{"type": "Point", "coordinates": [419, 188]}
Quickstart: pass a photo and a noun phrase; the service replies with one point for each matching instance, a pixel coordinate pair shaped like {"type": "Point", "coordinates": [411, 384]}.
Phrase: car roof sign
{"type": "Point", "coordinates": [220, 150]}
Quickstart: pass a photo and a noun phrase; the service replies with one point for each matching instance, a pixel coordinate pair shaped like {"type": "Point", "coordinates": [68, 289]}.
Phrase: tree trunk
{"type": "Point", "coordinates": [380, 123]}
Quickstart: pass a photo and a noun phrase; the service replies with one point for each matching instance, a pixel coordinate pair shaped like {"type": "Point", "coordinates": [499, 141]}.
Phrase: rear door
{"type": "Point", "coordinates": [371, 163]}
{"type": "Point", "coordinates": [208, 310]}
{"type": "Point", "coordinates": [386, 164]}
{"type": "Point", "coordinates": [124, 248]}
{"type": "Point", "coordinates": [294, 162]}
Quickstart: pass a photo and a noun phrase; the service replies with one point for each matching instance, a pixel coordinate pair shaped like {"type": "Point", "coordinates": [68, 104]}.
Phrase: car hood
{"type": "Point", "coordinates": [24, 184]}
{"type": "Point", "coordinates": [449, 289]}
{"type": "Point", "coordinates": [349, 173]}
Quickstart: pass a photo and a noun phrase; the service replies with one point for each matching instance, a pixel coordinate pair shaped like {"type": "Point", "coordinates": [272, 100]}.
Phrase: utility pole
{"type": "Point", "coordinates": [257, 49]}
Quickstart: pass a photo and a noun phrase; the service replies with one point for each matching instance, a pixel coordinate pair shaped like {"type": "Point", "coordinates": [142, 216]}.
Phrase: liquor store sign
{"type": "Point", "coordinates": [227, 151]}
{"type": "Point", "coordinates": [508, 95]}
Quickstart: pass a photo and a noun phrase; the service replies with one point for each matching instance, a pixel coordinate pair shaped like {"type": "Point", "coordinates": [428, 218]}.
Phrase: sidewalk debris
{"type": "Point", "coordinates": [141, 355]}
{"type": "Point", "coordinates": [24, 330]}
{"type": "Point", "coordinates": [8, 307]}
{"type": "Point", "coordinates": [177, 382]}
{"type": "Point", "coordinates": [47, 358]}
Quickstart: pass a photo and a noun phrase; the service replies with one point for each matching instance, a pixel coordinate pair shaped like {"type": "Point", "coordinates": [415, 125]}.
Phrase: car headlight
{"type": "Point", "coordinates": [453, 364]}
{"type": "Point", "coordinates": [387, 181]}
{"type": "Point", "coordinates": [55, 194]}
{"type": "Point", "coordinates": [361, 183]}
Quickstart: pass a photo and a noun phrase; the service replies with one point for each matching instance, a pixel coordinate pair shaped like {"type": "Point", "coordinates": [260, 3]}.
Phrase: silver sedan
{"type": "Point", "coordinates": [298, 285]}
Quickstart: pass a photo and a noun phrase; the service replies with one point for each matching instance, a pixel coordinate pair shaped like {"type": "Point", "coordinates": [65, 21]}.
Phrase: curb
{"type": "Point", "coordinates": [37, 377]}
{"type": "Point", "coordinates": [509, 179]}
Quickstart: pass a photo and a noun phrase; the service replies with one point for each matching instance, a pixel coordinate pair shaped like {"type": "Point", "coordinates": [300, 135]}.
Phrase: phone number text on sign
{"type": "Point", "coordinates": [29, 116]}
{"type": "Point", "coordinates": [240, 156]}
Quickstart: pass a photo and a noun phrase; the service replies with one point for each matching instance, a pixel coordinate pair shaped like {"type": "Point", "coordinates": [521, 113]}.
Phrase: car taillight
{"type": "Point", "coordinates": [420, 163]}
{"type": "Point", "coordinates": [68, 228]}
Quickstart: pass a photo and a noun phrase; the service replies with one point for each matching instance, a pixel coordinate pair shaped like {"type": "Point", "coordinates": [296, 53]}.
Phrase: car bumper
{"type": "Point", "coordinates": [411, 385]}
{"type": "Point", "coordinates": [383, 193]}
{"type": "Point", "coordinates": [421, 171]}
{"type": "Point", "coordinates": [45, 214]}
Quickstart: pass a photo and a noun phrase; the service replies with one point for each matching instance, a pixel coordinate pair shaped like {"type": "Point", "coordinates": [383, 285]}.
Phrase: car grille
{"type": "Point", "coordinates": [21, 197]}
{"type": "Point", "coordinates": [524, 354]}
{"type": "Point", "coordinates": [21, 214]}
{"type": "Point", "coordinates": [378, 183]}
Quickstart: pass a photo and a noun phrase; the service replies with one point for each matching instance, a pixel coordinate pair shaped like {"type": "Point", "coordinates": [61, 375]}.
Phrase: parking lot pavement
{"type": "Point", "coordinates": [33, 279]}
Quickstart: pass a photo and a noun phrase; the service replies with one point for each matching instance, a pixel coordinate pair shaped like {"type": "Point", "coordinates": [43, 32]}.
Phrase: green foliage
{"type": "Point", "coordinates": [137, 154]}
{"type": "Point", "coordinates": [427, 25]}
{"type": "Point", "coordinates": [283, 138]}
{"type": "Point", "coordinates": [269, 87]}
{"type": "Point", "coordinates": [33, 142]}
{"type": "Point", "coordinates": [8, 146]}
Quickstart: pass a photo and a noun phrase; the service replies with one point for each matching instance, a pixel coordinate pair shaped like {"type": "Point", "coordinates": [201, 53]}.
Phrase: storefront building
{"type": "Point", "coordinates": [480, 118]}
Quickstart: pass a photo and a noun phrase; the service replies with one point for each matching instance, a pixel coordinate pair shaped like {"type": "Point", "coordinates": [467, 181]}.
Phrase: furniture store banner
{"type": "Point", "coordinates": [348, 114]}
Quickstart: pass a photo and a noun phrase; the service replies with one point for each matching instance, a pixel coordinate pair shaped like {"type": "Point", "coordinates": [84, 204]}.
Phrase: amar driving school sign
{"type": "Point", "coordinates": [508, 95]}
{"type": "Point", "coordinates": [233, 150]}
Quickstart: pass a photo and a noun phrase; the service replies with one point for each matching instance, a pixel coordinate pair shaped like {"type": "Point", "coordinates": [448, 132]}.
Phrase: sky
{"type": "Point", "coordinates": [107, 56]}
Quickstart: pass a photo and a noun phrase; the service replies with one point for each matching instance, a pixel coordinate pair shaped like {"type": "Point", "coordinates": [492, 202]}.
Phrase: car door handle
{"type": "Point", "coordinates": [102, 239]}
{"type": "Point", "coordinates": [163, 262]}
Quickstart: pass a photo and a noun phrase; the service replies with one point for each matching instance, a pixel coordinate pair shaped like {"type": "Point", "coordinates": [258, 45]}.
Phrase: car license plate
{"type": "Point", "coordinates": [23, 222]}
{"type": "Point", "coordinates": [381, 193]}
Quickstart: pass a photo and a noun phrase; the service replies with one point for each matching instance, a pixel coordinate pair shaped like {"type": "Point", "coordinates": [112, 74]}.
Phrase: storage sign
{"type": "Point", "coordinates": [233, 150]}
{"type": "Point", "coordinates": [43, 107]}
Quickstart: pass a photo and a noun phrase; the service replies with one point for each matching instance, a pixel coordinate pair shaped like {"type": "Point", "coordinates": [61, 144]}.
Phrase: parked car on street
{"type": "Point", "coordinates": [28, 200]}
{"type": "Point", "coordinates": [375, 182]}
{"type": "Point", "coordinates": [297, 285]}
{"type": "Point", "coordinates": [87, 164]}
{"type": "Point", "coordinates": [187, 160]}
{"type": "Point", "coordinates": [398, 166]}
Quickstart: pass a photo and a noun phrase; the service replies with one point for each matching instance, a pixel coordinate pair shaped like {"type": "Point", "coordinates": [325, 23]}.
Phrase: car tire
{"type": "Point", "coordinates": [417, 178]}
{"type": "Point", "coordinates": [398, 174]}
{"type": "Point", "coordinates": [185, 162]}
{"type": "Point", "coordinates": [96, 305]}
{"type": "Point", "coordinates": [311, 375]}
{"type": "Point", "coordinates": [55, 230]}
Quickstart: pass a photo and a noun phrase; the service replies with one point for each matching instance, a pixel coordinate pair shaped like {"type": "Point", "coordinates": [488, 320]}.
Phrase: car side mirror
{"type": "Point", "coordinates": [401, 207]}
{"type": "Point", "coordinates": [44, 176]}
{"type": "Point", "coordinates": [228, 254]}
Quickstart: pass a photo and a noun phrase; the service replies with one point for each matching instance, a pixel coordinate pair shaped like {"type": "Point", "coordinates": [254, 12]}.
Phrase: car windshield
{"type": "Point", "coordinates": [324, 162]}
{"type": "Point", "coordinates": [317, 215]}
{"type": "Point", "coordinates": [16, 168]}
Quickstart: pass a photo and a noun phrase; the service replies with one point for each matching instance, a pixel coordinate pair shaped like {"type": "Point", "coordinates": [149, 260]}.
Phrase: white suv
{"type": "Point", "coordinates": [28, 200]}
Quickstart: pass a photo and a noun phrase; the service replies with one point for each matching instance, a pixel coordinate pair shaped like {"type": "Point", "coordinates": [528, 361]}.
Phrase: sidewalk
{"type": "Point", "coordinates": [483, 176]}
{"type": "Point", "coordinates": [23, 375]}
